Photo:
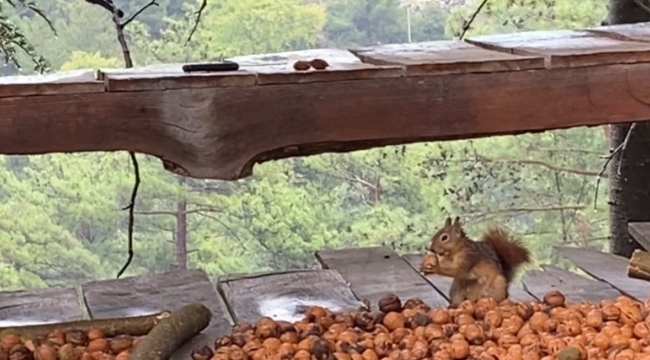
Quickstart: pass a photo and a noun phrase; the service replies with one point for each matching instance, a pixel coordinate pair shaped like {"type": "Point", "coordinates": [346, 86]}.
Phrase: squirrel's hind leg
{"type": "Point", "coordinates": [497, 289]}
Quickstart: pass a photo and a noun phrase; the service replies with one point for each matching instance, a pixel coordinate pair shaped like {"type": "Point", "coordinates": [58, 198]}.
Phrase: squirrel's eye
{"type": "Point", "coordinates": [444, 237]}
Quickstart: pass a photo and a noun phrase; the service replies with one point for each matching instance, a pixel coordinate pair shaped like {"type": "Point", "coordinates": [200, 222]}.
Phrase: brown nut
{"type": "Point", "coordinates": [390, 302]}
{"type": "Point", "coordinates": [203, 353]}
{"type": "Point", "coordinates": [554, 299]}
{"type": "Point", "coordinates": [319, 64]}
{"type": "Point", "coordinates": [76, 337]}
{"type": "Point", "coordinates": [120, 343]}
{"type": "Point", "coordinates": [301, 65]}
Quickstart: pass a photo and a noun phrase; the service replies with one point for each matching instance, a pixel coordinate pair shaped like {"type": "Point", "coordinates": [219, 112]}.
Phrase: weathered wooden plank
{"type": "Point", "coordinates": [608, 268]}
{"type": "Point", "coordinates": [630, 32]}
{"type": "Point", "coordinates": [375, 271]}
{"type": "Point", "coordinates": [567, 48]}
{"type": "Point", "coordinates": [285, 74]}
{"type": "Point", "coordinates": [640, 231]}
{"type": "Point", "coordinates": [443, 283]}
{"type": "Point", "coordinates": [148, 294]}
{"type": "Point", "coordinates": [221, 133]}
{"type": "Point", "coordinates": [41, 306]}
{"type": "Point", "coordinates": [162, 82]}
{"type": "Point", "coordinates": [285, 296]}
{"type": "Point", "coordinates": [445, 57]}
{"type": "Point", "coordinates": [65, 82]}
{"type": "Point", "coordinates": [573, 286]}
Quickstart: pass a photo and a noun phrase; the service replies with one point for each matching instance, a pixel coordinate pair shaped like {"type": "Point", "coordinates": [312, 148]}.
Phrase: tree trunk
{"type": "Point", "coordinates": [629, 195]}
{"type": "Point", "coordinates": [181, 231]}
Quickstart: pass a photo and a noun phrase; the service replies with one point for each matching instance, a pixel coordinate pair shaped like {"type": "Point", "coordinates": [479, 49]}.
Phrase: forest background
{"type": "Point", "coordinates": [61, 221]}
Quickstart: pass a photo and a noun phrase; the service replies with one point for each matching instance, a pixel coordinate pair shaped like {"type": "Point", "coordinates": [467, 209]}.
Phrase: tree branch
{"type": "Point", "coordinates": [128, 63]}
{"type": "Point", "coordinates": [542, 164]}
{"type": "Point", "coordinates": [198, 15]}
{"type": "Point", "coordinates": [525, 209]}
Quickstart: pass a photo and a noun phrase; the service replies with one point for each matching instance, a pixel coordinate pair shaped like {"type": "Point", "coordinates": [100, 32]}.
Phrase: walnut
{"type": "Point", "coordinates": [429, 264]}
{"type": "Point", "coordinates": [554, 299]}
{"type": "Point", "coordinates": [390, 302]}
{"type": "Point", "coordinates": [302, 65]}
{"type": "Point", "coordinates": [203, 353]}
{"type": "Point", "coordinates": [319, 64]}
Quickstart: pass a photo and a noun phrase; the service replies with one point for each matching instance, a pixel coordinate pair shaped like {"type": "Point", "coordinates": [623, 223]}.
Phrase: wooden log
{"type": "Point", "coordinates": [375, 271]}
{"type": "Point", "coordinates": [285, 295]}
{"type": "Point", "coordinates": [134, 326]}
{"type": "Point", "coordinates": [172, 332]}
{"type": "Point", "coordinates": [639, 267]}
{"type": "Point", "coordinates": [219, 125]}
{"type": "Point", "coordinates": [148, 294]}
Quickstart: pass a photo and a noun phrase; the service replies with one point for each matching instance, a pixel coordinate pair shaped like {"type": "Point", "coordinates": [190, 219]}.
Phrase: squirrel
{"type": "Point", "coordinates": [481, 269]}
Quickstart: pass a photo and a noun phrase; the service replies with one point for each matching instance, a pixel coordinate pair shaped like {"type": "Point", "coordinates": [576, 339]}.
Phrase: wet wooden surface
{"type": "Point", "coordinates": [286, 295]}
{"type": "Point", "coordinates": [349, 276]}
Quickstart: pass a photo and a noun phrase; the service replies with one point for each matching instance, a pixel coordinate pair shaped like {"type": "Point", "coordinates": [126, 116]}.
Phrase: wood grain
{"type": "Point", "coordinates": [148, 294]}
{"type": "Point", "coordinates": [567, 48]}
{"type": "Point", "coordinates": [375, 271]}
{"type": "Point", "coordinates": [608, 268]}
{"type": "Point", "coordinates": [443, 283]}
{"type": "Point", "coordinates": [221, 133]}
{"type": "Point", "coordinates": [573, 286]}
{"type": "Point", "coordinates": [640, 231]}
{"type": "Point", "coordinates": [285, 296]}
{"type": "Point", "coordinates": [162, 82]}
{"type": "Point", "coordinates": [628, 32]}
{"type": "Point", "coordinates": [41, 306]}
{"type": "Point", "coordinates": [65, 82]}
{"type": "Point", "coordinates": [445, 57]}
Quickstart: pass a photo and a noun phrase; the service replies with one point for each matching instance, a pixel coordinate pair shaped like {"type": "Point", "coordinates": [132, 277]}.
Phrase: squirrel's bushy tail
{"type": "Point", "coordinates": [510, 251]}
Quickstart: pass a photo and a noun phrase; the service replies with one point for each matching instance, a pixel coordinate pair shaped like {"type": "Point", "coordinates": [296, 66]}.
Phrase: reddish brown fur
{"type": "Point", "coordinates": [480, 269]}
{"type": "Point", "coordinates": [510, 251]}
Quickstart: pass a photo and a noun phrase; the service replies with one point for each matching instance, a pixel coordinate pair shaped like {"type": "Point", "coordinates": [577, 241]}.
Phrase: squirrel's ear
{"type": "Point", "coordinates": [448, 222]}
{"type": "Point", "coordinates": [457, 221]}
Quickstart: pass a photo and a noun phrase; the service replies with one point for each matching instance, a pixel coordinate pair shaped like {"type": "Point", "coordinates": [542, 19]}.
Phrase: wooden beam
{"type": "Point", "coordinates": [608, 268]}
{"type": "Point", "coordinates": [573, 286]}
{"type": "Point", "coordinates": [375, 271]}
{"type": "Point", "coordinates": [219, 125]}
{"type": "Point", "coordinates": [39, 306]}
{"type": "Point", "coordinates": [148, 294]}
{"type": "Point", "coordinates": [569, 48]}
{"type": "Point", "coordinates": [640, 231]}
{"type": "Point", "coordinates": [285, 296]}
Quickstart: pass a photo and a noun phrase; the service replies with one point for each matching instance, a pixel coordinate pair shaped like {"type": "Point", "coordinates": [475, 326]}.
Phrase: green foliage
{"type": "Point", "coordinates": [61, 217]}
{"type": "Point", "coordinates": [503, 16]}
{"type": "Point", "coordinates": [13, 42]}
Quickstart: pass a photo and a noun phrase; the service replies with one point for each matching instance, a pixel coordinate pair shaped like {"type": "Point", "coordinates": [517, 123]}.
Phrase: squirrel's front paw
{"type": "Point", "coordinates": [429, 264]}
